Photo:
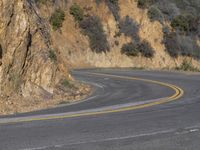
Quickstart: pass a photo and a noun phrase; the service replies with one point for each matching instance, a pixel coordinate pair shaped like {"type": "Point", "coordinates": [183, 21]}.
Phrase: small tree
{"type": "Point", "coordinates": [57, 19]}
{"type": "Point", "coordinates": [154, 13]}
{"type": "Point", "coordinates": [133, 49]}
{"type": "Point", "coordinates": [180, 23]}
{"type": "Point", "coordinates": [52, 55]}
{"type": "Point", "coordinates": [145, 3]}
{"type": "Point", "coordinates": [77, 12]}
{"type": "Point", "coordinates": [130, 49]}
{"type": "Point", "coordinates": [145, 49]}
{"type": "Point", "coordinates": [93, 28]}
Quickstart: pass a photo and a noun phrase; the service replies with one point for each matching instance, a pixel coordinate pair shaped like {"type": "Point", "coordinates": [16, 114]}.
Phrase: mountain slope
{"type": "Point", "coordinates": [131, 24]}
{"type": "Point", "coordinates": [30, 66]}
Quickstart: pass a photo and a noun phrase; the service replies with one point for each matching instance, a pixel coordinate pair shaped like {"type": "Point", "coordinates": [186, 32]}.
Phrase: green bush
{"type": "Point", "coordinates": [113, 5]}
{"type": "Point", "coordinates": [170, 41]}
{"type": "Point", "coordinates": [180, 23]}
{"type": "Point", "coordinates": [145, 3]}
{"type": "Point", "coordinates": [52, 55]}
{"type": "Point", "coordinates": [188, 24]}
{"type": "Point", "coordinates": [57, 19]}
{"type": "Point", "coordinates": [145, 49]}
{"type": "Point", "coordinates": [194, 24]}
{"type": "Point", "coordinates": [77, 12]}
{"type": "Point", "coordinates": [154, 13]}
{"type": "Point", "coordinates": [41, 1]}
{"type": "Point", "coordinates": [181, 45]}
{"type": "Point", "coordinates": [185, 21]}
{"type": "Point", "coordinates": [133, 49]}
{"type": "Point", "coordinates": [168, 8]}
{"type": "Point", "coordinates": [52, 2]}
{"type": "Point", "coordinates": [114, 1]}
{"type": "Point", "coordinates": [141, 3]}
{"type": "Point", "coordinates": [66, 83]}
{"type": "Point", "coordinates": [93, 28]}
{"type": "Point", "coordinates": [130, 28]}
{"type": "Point", "coordinates": [187, 66]}
{"type": "Point", "coordinates": [130, 49]}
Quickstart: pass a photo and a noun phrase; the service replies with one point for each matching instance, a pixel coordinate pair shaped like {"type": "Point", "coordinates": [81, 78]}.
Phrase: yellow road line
{"type": "Point", "coordinates": [178, 93]}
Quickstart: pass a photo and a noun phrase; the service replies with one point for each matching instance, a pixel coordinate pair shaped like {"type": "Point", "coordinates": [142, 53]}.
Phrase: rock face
{"type": "Point", "coordinates": [25, 43]}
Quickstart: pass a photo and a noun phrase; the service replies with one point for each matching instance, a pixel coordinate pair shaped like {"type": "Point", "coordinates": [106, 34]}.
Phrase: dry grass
{"type": "Point", "coordinates": [18, 104]}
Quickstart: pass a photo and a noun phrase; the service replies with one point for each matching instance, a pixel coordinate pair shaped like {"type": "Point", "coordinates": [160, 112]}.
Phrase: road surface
{"type": "Point", "coordinates": [128, 110]}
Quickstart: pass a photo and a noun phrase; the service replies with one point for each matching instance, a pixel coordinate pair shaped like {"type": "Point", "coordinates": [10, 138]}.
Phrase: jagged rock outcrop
{"type": "Point", "coordinates": [33, 75]}
{"type": "Point", "coordinates": [25, 42]}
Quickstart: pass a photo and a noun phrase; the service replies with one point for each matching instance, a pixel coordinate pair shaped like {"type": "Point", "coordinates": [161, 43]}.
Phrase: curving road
{"type": "Point", "coordinates": [128, 110]}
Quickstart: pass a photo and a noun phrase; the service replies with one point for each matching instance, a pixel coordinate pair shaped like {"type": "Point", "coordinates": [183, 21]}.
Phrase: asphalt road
{"type": "Point", "coordinates": [125, 112]}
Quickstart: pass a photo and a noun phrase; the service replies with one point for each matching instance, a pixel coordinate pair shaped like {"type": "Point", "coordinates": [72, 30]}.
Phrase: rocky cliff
{"type": "Point", "coordinates": [30, 66]}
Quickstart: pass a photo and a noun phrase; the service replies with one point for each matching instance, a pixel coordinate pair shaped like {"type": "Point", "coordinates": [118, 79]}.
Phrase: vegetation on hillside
{"type": "Point", "coordinates": [77, 12]}
{"type": "Point", "coordinates": [130, 28]}
{"type": "Point", "coordinates": [180, 35]}
{"type": "Point", "coordinates": [92, 27]}
{"type": "Point", "coordinates": [52, 55]}
{"type": "Point", "coordinates": [41, 1]}
{"type": "Point", "coordinates": [57, 19]}
{"type": "Point", "coordinates": [45, 1]}
{"type": "Point", "coordinates": [113, 5]}
{"type": "Point", "coordinates": [184, 18]}
{"type": "Point", "coordinates": [134, 49]}
{"type": "Point", "coordinates": [187, 66]}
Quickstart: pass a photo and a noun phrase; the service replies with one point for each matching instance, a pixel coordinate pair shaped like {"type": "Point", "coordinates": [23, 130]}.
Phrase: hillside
{"type": "Point", "coordinates": [32, 76]}
{"type": "Point", "coordinates": [41, 40]}
{"type": "Point", "coordinates": [152, 34]}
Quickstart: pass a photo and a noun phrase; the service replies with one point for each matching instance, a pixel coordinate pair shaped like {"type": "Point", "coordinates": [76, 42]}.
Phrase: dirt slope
{"type": "Point", "coordinates": [74, 45]}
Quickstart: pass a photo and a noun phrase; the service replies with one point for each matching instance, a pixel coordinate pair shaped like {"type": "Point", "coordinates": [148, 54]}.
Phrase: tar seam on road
{"type": "Point", "coordinates": [178, 94]}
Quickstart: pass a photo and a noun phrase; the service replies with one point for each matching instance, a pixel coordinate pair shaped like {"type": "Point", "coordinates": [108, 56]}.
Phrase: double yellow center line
{"type": "Point", "coordinates": [178, 93]}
